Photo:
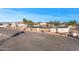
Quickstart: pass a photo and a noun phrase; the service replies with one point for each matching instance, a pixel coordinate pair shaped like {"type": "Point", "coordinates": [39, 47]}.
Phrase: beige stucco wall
{"type": "Point", "coordinates": [53, 30]}
{"type": "Point", "coordinates": [63, 30]}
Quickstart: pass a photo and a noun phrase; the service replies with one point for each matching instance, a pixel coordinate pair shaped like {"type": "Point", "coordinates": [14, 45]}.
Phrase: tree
{"type": "Point", "coordinates": [56, 23]}
{"type": "Point", "coordinates": [49, 24]}
{"type": "Point", "coordinates": [28, 22]}
{"type": "Point", "coordinates": [25, 21]}
{"type": "Point", "coordinates": [72, 23]}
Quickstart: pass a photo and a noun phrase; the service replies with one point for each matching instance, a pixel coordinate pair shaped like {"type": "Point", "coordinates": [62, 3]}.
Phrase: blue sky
{"type": "Point", "coordinates": [39, 14]}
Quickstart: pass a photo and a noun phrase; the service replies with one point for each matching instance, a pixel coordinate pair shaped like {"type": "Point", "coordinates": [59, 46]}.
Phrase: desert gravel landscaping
{"type": "Point", "coordinates": [32, 41]}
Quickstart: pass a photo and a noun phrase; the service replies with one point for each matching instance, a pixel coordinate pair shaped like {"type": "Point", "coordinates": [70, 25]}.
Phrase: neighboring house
{"type": "Point", "coordinates": [63, 25]}
{"type": "Point", "coordinates": [71, 26]}
{"type": "Point", "coordinates": [36, 25]}
{"type": "Point", "coordinates": [4, 25]}
{"type": "Point", "coordinates": [43, 24]}
{"type": "Point", "coordinates": [21, 25]}
{"type": "Point", "coordinates": [13, 25]}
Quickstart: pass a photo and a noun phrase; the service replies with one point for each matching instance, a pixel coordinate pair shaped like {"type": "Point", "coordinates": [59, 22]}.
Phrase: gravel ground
{"type": "Point", "coordinates": [30, 41]}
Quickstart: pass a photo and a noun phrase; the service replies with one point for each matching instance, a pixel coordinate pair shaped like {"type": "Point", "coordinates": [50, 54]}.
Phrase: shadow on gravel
{"type": "Point", "coordinates": [16, 34]}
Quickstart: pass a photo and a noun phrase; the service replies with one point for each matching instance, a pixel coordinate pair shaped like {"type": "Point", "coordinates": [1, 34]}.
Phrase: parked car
{"type": "Point", "coordinates": [73, 33]}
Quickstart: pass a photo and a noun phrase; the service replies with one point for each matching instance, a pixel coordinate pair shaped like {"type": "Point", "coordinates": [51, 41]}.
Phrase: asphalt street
{"type": "Point", "coordinates": [31, 41]}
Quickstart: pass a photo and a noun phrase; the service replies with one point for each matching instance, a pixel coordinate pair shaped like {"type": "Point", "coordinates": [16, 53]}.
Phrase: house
{"type": "Point", "coordinates": [13, 26]}
{"type": "Point", "coordinates": [4, 25]}
{"type": "Point", "coordinates": [36, 25]}
{"type": "Point", "coordinates": [21, 25]}
{"type": "Point", "coordinates": [43, 24]}
{"type": "Point", "coordinates": [62, 25]}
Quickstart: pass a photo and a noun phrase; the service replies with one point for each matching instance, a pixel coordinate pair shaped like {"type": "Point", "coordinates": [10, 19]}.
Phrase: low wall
{"type": "Point", "coordinates": [53, 30]}
{"type": "Point", "coordinates": [63, 30]}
